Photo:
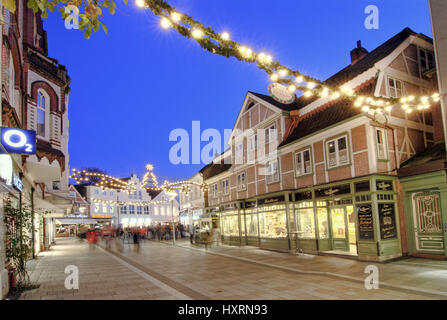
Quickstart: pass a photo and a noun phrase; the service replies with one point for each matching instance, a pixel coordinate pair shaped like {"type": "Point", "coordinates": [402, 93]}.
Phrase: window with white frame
{"type": "Point", "coordinates": [239, 150]}
{"type": "Point", "coordinates": [214, 190]}
{"type": "Point", "coordinates": [42, 108]}
{"type": "Point", "coordinates": [225, 187]}
{"type": "Point", "coordinates": [241, 181]}
{"type": "Point", "coordinates": [131, 209]}
{"type": "Point", "coordinates": [252, 145]}
{"type": "Point", "coordinates": [96, 207]}
{"type": "Point", "coordinates": [124, 209]}
{"type": "Point", "coordinates": [146, 210]}
{"type": "Point", "coordinates": [140, 195]}
{"type": "Point", "coordinates": [270, 134]}
{"type": "Point", "coordinates": [426, 59]}
{"type": "Point", "coordinates": [11, 80]}
{"type": "Point", "coordinates": [272, 171]}
{"type": "Point", "coordinates": [381, 143]}
{"type": "Point", "coordinates": [395, 88]}
{"type": "Point", "coordinates": [162, 211]}
{"type": "Point", "coordinates": [139, 210]}
{"type": "Point", "coordinates": [303, 163]}
{"type": "Point", "coordinates": [104, 208]}
{"type": "Point", "coordinates": [112, 208]}
{"type": "Point", "coordinates": [156, 211]}
{"type": "Point", "coordinates": [96, 191]}
{"type": "Point", "coordinates": [337, 152]}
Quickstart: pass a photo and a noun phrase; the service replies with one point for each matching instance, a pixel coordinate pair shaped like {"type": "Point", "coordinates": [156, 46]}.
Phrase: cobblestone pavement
{"type": "Point", "coordinates": [428, 276]}
{"type": "Point", "coordinates": [162, 271]}
{"type": "Point", "coordinates": [101, 276]}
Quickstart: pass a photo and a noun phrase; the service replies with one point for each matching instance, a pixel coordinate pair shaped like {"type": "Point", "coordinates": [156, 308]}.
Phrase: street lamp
{"type": "Point", "coordinates": [172, 195]}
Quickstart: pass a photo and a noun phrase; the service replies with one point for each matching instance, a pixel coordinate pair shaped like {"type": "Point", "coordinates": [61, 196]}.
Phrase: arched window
{"type": "Point", "coordinates": [42, 112]}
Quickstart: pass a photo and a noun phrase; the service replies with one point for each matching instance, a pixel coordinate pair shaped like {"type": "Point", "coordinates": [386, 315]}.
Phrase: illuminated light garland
{"type": "Point", "coordinates": [108, 182]}
{"type": "Point", "coordinates": [221, 44]}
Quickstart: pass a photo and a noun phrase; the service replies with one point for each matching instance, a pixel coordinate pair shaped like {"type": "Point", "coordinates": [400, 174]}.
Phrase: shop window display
{"type": "Point", "coordinates": [252, 225]}
{"type": "Point", "coordinates": [273, 223]}
{"type": "Point", "coordinates": [230, 225]}
{"type": "Point", "coordinates": [323, 226]}
{"type": "Point", "coordinates": [305, 220]}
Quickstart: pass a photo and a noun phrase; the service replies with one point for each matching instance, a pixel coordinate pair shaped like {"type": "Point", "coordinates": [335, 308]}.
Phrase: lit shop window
{"type": "Point", "coordinates": [303, 164]}
{"type": "Point", "coordinates": [381, 144]}
{"type": "Point", "coordinates": [251, 221]}
{"type": "Point", "coordinates": [104, 208]}
{"type": "Point", "coordinates": [96, 208]}
{"type": "Point", "coordinates": [156, 211]}
{"type": "Point", "coordinates": [305, 220]}
{"type": "Point", "coordinates": [272, 171]}
{"type": "Point", "coordinates": [337, 151]}
{"type": "Point", "coordinates": [272, 225]}
{"type": "Point", "coordinates": [323, 227]}
{"type": "Point", "coordinates": [230, 225]}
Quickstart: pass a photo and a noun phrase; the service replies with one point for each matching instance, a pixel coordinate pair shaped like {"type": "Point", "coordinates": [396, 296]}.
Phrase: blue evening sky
{"type": "Point", "coordinates": [131, 87]}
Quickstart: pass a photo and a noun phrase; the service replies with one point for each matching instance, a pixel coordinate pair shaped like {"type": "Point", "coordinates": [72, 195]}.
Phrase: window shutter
{"type": "Point", "coordinates": [55, 127]}
{"type": "Point", "coordinates": [32, 117]}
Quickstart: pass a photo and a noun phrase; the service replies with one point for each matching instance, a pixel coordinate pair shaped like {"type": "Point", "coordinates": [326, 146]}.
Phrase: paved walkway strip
{"type": "Point", "coordinates": [402, 288]}
{"type": "Point", "coordinates": [173, 287]}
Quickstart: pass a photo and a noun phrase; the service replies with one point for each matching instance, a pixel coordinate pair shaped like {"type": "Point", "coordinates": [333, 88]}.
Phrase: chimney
{"type": "Point", "coordinates": [358, 53]}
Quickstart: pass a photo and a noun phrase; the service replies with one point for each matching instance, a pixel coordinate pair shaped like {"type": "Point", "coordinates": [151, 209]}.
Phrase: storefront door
{"type": "Point", "coordinates": [343, 229]}
{"type": "Point", "coordinates": [427, 222]}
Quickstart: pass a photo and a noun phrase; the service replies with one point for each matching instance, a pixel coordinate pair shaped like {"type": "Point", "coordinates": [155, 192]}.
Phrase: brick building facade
{"type": "Point", "coordinates": [320, 174]}
{"type": "Point", "coordinates": [34, 94]}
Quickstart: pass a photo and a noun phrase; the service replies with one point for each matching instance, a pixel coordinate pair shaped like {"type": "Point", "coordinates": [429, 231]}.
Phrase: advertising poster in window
{"type": "Point", "coordinates": [365, 218]}
{"type": "Point", "coordinates": [387, 220]}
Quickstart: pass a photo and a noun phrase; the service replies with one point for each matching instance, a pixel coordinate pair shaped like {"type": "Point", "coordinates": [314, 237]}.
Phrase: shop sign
{"type": "Point", "coordinates": [230, 206]}
{"type": "Point", "coordinates": [384, 185]}
{"type": "Point", "coordinates": [387, 219]}
{"type": "Point", "coordinates": [281, 93]}
{"type": "Point", "coordinates": [271, 200]}
{"type": "Point", "coordinates": [365, 220]}
{"type": "Point", "coordinates": [17, 182]}
{"type": "Point", "coordinates": [250, 204]}
{"type": "Point", "coordinates": [333, 191]}
{"type": "Point", "coordinates": [18, 141]}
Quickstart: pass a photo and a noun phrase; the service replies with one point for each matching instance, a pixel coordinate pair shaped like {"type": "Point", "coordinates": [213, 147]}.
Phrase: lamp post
{"type": "Point", "coordinates": [172, 195]}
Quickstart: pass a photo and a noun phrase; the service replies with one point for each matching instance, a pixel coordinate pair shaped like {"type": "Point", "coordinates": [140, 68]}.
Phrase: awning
{"type": "Point", "coordinates": [43, 171]}
{"type": "Point", "coordinates": [75, 221]}
{"type": "Point", "coordinates": [43, 205]}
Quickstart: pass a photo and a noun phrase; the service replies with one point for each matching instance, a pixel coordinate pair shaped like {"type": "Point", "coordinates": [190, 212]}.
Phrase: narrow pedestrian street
{"type": "Point", "coordinates": [162, 271]}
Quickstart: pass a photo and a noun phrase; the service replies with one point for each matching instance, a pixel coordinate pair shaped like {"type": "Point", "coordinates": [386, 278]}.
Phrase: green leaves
{"type": "Point", "coordinates": [10, 5]}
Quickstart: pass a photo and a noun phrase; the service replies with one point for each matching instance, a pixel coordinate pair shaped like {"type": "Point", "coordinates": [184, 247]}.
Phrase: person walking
{"type": "Point", "coordinates": [136, 241]}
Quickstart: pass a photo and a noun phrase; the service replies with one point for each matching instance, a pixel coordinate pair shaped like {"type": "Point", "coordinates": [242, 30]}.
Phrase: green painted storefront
{"type": "Point", "coordinates": [357, 218]}
{"type": "Point", "coordinates": [425, 206]}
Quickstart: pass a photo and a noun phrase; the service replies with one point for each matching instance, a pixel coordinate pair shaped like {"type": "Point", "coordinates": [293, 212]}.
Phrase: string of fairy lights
{"type": "Point", "coordinates": [221, 43]}
{"type": "Point", "coordinates": [149, 182]}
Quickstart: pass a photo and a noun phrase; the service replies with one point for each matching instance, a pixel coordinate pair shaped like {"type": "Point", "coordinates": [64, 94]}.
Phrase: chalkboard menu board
{"type": "Point", "coordinates": [387, 218]}
{"type": "Point", "coordinates": [365, 218]}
